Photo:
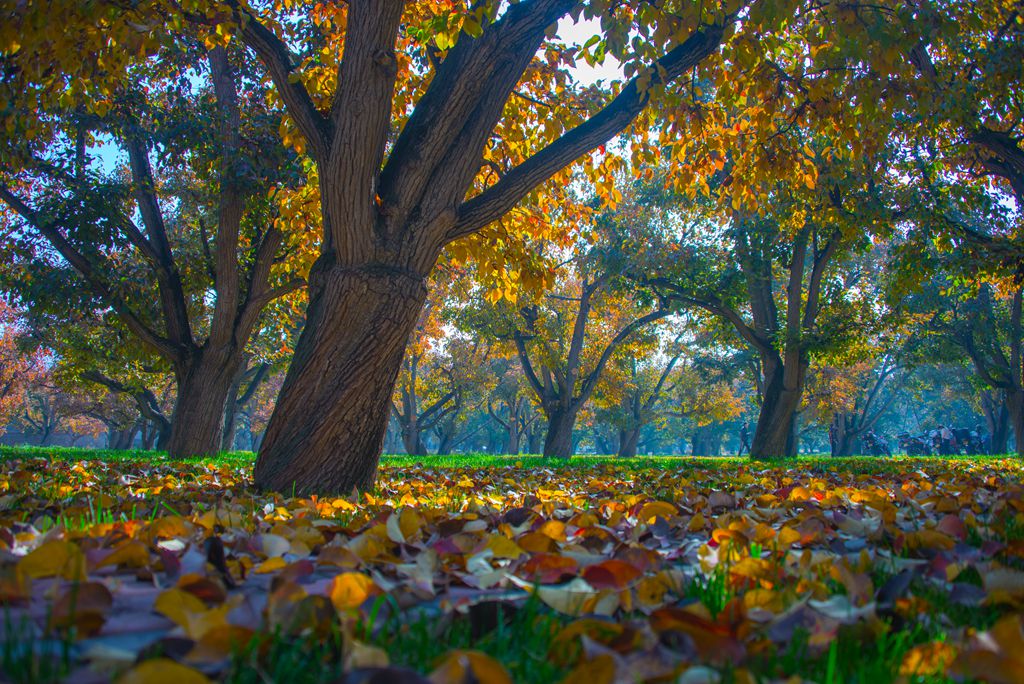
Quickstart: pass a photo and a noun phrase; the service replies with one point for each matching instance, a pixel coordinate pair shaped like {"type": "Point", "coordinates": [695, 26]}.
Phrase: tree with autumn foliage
{"type": "Point", "coordinates": [149, 185]}
{"type": "Point", "coordinates": [634, 386]}
{"type": "Point", "coordinates": [566, 338]}
{"type": "Point", "coordinates": [20, 366]}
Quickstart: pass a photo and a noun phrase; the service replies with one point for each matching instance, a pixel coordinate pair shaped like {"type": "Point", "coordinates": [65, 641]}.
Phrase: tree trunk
{"type": "Point", "coordinates": [1015, 407]}
{"type": "Point", "coordinates": [706, 441]}
{"type": "Point", "coordinates": [512, 436]}
{"type": "Point", "coordinates": [197, 426]}
{"type": "Point", "coordinates": [628, 441]}
{"type": "Point", "coordinates": [774, 435]}
{"type": "Point", "coordinates": [227, 442]}
{"type": "Point", "coordinates": [327, 429]}
{"type": "Point", "coordinates": [412, 438]}
{"type": "Point", "coordinates": [558, 440]}
{"type": "Point", "coordinates": [998, 419]}
{"type": "Point", "coordinates": [533, 437]}
{"type": "Point", "coordinates": [121, 438]}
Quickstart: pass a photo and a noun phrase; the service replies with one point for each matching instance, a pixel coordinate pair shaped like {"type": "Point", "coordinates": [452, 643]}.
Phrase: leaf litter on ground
{"type": "Point", "coordinates": [136, 571]}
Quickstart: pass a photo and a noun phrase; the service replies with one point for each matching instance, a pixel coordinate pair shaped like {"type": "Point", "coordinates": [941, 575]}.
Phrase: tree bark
{"type": "Point", "coordinates": [1015, 408]}
{"type": "Point", "coordinates": [706, 441]}
{"type": "Point", "coordinates": [412, 438]}
{"type": "Point", "coordinates": [121, 438]}
{"type": "Point", "coordinates": [512, 436]}
{"type": "Point", "coordinates": [774, 435]}
{"type": "Point", "coordinates": [998, 419]}
{"type": "Point", "coordinates": [197, 426]}
{"type": "Point", "coordinates": [628, 441]}
{"type": "Point", "coordinates": [150, 433]}
{"type": "Point", "coordinates": [558, 440]}
{"type": "Point", "coordinates": [327, 429]}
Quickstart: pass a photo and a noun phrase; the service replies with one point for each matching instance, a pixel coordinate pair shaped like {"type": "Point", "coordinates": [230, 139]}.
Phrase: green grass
{"type": "Point", "coordinates": [855, 465]}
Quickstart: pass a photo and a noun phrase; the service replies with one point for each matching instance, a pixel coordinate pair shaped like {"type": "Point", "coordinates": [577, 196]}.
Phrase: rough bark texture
{"type": "Point", "coordinates": [774, 434]}
{"type": "Point", "coordinates": [197, 426]}
{"type": "Point", "coordinates": [558, 440]}
{"type": "Point", "coordinates": [1015, 408]}
{"type": "Point", "coordinates": [326, 432]}
{"type": "Point", "coordinates": [628, 442]}
{"type": "Point", "coordinates": [997, 417]}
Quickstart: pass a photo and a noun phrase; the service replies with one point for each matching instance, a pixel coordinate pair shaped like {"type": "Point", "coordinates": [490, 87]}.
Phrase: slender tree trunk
{"type": "Point", "coordinates": [512, 436]}
{"type": "Point", "coordinates": [1015, 407]}
{"type": "Point", "coordinates": [412, 438]}
{"type": "Point", "coordinates": [998, 419]}
{"type": "Point", "coordinates": [163, 436]}
{"type": "Point", "coordinates": [197, 427]}
{"type": "Point", "coordinates": [231, 411]}
{"type": "Point", "coordinates": [533, 437]}
{"type": "Point", "coordinates": [558, 440]}
{"type": "Point", "coordinates": [628, 441]}
{"type": "Point", "coordinates": [327, 429]}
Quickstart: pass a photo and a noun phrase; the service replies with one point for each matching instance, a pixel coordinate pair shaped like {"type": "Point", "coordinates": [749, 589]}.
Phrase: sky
{"type": "Point", "coordinates": [577, 34]}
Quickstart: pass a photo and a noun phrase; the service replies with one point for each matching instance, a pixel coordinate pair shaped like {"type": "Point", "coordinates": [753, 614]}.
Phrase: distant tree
{"type": "Point", "coordinates": [634, 388]}
{"type": "Point", "coordinates": [183, 239]}
{"type": "Point", "coordinates": [20, 365]}
{"type": "Point", "coordinates": [565, 340]}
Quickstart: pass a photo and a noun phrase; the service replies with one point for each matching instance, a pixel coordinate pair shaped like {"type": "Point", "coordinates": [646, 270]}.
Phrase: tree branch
{"type": "Point", "coordinates": [501, 197]}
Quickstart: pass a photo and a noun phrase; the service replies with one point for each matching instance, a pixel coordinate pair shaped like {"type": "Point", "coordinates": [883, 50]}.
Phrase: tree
{"type": "Point", "coordinates": [204, 175]}
{"type": "Point", "coordinates": [390, 206]}
{"type": "Point", "coordinates": [851, 399]}
{"type": "Point", "coordinates": [510, 406]}
{"type": "Point", "coordinates": [630, 395]}
{"type": "Point", "coordinates": [705, 395]}
{"type": "Point", "coordinates": [566, 339]}
{"type": "Point", "coordinates": [19, 367]}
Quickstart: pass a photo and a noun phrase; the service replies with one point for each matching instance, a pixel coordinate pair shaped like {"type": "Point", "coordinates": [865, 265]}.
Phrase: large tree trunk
{"type": "Point", "coordinates": [706, 441]}
{"type": "Point", "coordinates": [628, 441]}
{"type": "Point", "coordinates": [327, 429]}
{"type": "Point", "coordinates": [558, 440]}
{"type": "Point", "coordinates": [1015, 407]}
{"type": "Point", "coordinates": [197, 427]}
{"type": "Point", "coordinates": [774, 435]}
{"type": "Point", "coordinates": [845, 435]}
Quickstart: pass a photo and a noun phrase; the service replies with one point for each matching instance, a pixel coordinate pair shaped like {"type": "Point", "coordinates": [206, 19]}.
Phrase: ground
{"type": "Point", "coordinates": [134, 568]}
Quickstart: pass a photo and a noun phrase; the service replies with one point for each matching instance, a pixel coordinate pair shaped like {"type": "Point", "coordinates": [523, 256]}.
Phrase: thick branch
{"type": "Point", "coordinates": [172, 295]}
{"type": "Point", "coordinates": [501, 197]}
{"type": "Point", "coordinates": [272, 51]}
{"type": "Point", "coordinates": [231, 202]}
{"type": "Point", "coordinates": [85, 268]}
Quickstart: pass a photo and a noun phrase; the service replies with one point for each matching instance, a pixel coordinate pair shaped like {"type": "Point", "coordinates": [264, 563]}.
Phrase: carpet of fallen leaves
{"type": "Point", "coordinates": [160, 571]}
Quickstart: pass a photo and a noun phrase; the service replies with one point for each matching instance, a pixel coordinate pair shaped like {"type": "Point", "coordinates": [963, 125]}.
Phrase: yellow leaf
{"type": "Point", "coordinates": [470, 666]}
{"type": "Point", "coordinates": [503, 547]}
{"type": "Point", "coordinates": [162, 671]}
{"type": "Point", "coordinates": [656, 509]}
{"type": "Point", "coordinates": [929, 659]}
{"type": "Point", "coordinates": [350, 589]}
{"type": "Point", "coordinates": [270, 565]}
{"type": "Point", "coordinates": [54, 558]}
{"type": "Point", "coordinates": [176, 605]}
